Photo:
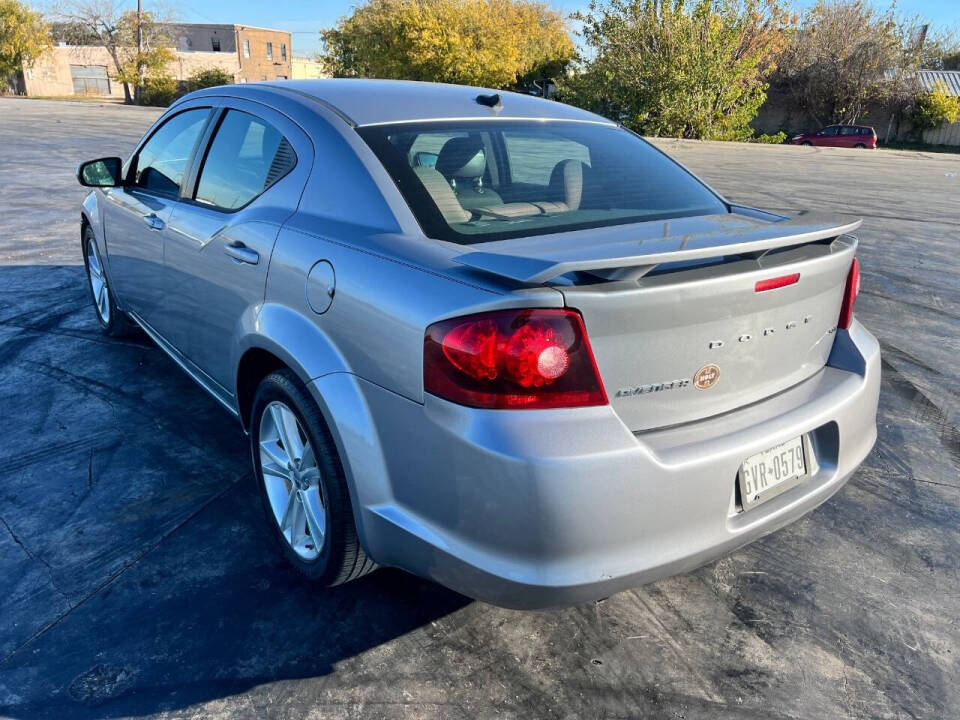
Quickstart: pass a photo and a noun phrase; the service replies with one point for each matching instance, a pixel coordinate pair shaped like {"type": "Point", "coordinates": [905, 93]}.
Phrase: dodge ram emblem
{"type": "Point", "coordinates": [706, 377]}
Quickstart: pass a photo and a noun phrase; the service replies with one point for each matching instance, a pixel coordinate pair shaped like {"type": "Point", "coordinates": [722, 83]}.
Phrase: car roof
{"type": "Point", "coordinates": [374, 102]}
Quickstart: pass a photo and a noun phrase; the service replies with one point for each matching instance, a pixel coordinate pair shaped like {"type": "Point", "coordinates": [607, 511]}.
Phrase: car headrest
{"type": "Point", "coordinates": [567, 179]}
{"type": "Point", "coordinates": [462, 157]}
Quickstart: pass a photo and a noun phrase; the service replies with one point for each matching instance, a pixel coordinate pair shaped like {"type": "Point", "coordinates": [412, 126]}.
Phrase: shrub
{"type": "Point", "coordinates": [779, 138]}
{"type": "Point", "coordinates": [935, 108]}
{"type": "Point", "coordinates": [208, 77]}
{"type": "Point", "coordinates": [159, 90]}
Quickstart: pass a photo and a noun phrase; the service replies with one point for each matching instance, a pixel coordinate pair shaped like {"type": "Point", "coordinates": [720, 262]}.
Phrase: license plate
{"type": "Point", "coordinates": [768, 473]}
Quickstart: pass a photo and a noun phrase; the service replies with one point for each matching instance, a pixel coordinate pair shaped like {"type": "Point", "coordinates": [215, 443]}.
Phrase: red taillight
{"type": "Point", "coordinates": [512, 359]}
{"type": "Point", "coordinates": [777, 282]}
{"type": "Point", "coordinates": [850, 293]}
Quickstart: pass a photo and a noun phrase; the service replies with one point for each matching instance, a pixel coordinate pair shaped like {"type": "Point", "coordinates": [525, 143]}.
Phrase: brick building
{"type": "Point", "coordinates": [249, 54]}
{"type": "Point", "coordinates": [262, 53]}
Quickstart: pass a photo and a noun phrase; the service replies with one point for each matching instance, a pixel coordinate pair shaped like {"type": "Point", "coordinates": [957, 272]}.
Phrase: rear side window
{"type": "Point", "coordinates": [162, 161]}
{"type": "Point", "coordinates": [246, 157]}
{"type": "Point", "coordinates": [849, 130]}
{"type": "Point", "coordinates": [474, 181]}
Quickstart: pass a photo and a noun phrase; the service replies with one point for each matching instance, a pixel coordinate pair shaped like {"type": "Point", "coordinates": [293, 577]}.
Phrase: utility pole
{"type": "Point", "coordinates": [136, 89]}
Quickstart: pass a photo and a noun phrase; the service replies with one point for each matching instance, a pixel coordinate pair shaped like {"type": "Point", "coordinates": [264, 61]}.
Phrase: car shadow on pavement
{"type": "Point", "coordinates": [140, 573]}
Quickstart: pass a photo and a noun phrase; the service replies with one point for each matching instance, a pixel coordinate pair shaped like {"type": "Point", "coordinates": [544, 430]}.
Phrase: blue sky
{"type": "Point", "coordinates": [304, 18]}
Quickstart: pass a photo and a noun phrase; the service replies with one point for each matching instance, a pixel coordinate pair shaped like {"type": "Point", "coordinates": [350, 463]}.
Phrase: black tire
{"type": "Point", "coordinates": [117, 323]}
{"type": "Point", "coordinates": [807, 143]}
{"type": "Point", "coordinates": [859, 146]}
{"type": "Point", "coordinates": [341, 558]}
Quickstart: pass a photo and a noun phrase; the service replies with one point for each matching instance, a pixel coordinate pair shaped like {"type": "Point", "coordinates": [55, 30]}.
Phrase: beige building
{"type": "Point", "coordinates": [302, 68]}
{"type": "Point", "coordinates": [248, 54]}
{"type": "Point", "coordinates": [88, 70]}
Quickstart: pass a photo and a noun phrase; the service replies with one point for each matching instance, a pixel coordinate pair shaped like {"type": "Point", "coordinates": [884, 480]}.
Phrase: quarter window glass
{"type": "Point", "coordinates": [533, 156]}
{"type": "Point", "coordinates": [246, 157]}
{"type": "Point", "coordinates": [162, 162]}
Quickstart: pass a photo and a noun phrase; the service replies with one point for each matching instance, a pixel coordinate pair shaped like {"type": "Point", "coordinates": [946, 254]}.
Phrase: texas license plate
{"type": "Point", "coordinates": [768, 473]}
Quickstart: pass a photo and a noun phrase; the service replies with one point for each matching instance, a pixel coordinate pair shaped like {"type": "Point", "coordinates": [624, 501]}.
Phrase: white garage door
{"type": "Point", "coordinates": [90, 80]}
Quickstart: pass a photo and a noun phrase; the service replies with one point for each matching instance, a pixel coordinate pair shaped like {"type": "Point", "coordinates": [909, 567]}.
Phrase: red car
{"type": "Point", "coordinates": [848, 136]}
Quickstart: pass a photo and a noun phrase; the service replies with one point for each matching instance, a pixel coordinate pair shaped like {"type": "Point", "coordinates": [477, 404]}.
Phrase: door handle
{"type": "Point", "coordinates": [153, 222]}
{"type": "Point", "coordinates": [241, 253]}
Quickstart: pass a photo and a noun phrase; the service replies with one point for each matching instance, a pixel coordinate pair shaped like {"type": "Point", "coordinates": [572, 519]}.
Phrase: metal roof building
{"type": "Point", "coordinates": [950, 78]}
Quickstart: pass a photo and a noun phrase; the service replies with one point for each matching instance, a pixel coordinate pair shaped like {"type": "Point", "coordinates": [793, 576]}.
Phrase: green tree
{"type": "Point", "coordinates": [686, 68]}
{"type": "Point", "coordinates": [24, 37]}
{"type": "Point", "coordinates": [493, 43]}
{"type": "Point", "coordinates": [934, 108]}
{"type": "Point", "coordinates": [845, 54]}
{"type": "Point", "coordinates": [208, 77]}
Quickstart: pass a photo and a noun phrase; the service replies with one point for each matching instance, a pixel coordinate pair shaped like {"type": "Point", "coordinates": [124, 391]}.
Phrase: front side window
{"type": "Point", "coordinates": [832, 130]}
{"type": "Point", "coordinates": [246, 157]}
{"type": "Point", "coordinates": [246, 48]}
{"type": "Point", "coordinates": [162, 161]}
{"type": "Point", "coordinates": [470, 182]}
{"type": "Point", "coordinates": [269, 51]}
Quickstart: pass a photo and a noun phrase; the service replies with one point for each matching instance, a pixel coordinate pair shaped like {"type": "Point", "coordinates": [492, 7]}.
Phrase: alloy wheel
{"type": "Point", "coordinates": [98, 282]}
{"type": "Point", "coordinates": [291, 477]}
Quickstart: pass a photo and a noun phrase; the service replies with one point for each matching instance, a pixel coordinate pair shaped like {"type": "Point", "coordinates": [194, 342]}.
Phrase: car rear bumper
{"type": "Point", "coordinates": [543, 508]}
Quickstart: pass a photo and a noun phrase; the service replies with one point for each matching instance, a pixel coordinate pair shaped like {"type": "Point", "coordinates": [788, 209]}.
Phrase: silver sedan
{"type": "Point", "coordinates": [493, 340]}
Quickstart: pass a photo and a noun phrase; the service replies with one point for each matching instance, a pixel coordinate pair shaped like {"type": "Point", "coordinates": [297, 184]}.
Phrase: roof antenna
{"type": "Point", "coordinates": [491, 101]}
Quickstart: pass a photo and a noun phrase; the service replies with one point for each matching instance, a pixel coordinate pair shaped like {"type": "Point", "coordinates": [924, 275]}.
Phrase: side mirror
{"type": "Point", "coordinates": [425, 159]}
{"type": "Point", "coordinates": [104, 172]}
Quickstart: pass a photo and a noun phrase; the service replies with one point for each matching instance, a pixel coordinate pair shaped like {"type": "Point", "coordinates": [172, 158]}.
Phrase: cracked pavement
{"type": "Point", "coordinates": [139, 580]}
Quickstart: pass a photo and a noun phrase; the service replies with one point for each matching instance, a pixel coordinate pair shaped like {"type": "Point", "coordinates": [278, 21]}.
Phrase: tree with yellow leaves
{"type": "Point", "coordinates": [492, 43]}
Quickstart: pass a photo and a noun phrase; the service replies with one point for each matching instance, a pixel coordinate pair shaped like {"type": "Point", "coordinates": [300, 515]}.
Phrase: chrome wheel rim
{"type": "Point", "coordinates": [292, 480]}
{"type": "Point", "coordinates": [98, 282]}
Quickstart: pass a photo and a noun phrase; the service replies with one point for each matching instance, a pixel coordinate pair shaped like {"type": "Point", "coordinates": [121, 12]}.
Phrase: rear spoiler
{"type": "Point", "coordinates": [532, 262]}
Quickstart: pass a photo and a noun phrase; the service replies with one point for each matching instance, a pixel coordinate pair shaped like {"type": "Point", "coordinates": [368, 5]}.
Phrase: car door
{"type": "Point", "coordinates": [135, 215]}
{"type": "Point", "coordinates": [830, 136]}
{"type": "Point", "coordinates": [219, 240]}
{"type": "Point", "coordinates": [849, 136]}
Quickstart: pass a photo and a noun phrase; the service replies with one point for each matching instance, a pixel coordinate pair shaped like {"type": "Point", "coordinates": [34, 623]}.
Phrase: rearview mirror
{"type": "Point", "coordinates": [104, 172]}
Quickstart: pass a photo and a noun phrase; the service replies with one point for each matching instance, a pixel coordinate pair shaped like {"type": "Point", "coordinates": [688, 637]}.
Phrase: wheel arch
{"type": "Point", "coordinates": [347, 417]}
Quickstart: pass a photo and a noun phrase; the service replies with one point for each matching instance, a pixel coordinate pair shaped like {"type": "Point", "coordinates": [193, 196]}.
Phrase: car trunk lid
{"type": "Point", "coordinates": [679, 329]}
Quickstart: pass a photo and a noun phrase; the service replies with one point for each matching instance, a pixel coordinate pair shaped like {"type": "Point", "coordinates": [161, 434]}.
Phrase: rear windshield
{"type": "Point", "coordinates": [472, 182]}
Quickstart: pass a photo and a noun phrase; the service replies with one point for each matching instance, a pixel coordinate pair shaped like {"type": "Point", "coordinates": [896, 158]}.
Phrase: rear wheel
{"type": "Point", "coordinates": [113, 321]}
{"type": "Point", "coordinates": [860, 146]}
{"type": "Point", "coordinates": [302, 485]}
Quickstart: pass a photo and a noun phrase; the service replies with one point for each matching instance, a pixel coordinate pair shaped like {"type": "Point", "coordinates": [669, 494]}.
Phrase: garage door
{"type": "Point", "coordinates": [90, 80]}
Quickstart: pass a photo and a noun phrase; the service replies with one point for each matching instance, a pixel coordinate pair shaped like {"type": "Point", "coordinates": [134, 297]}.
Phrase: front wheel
{"type": "Point", "coordinates": [302, 484]}
{"type": "Point", "coordinates": [807, 143]}
{"type": "Point", "coordinates": [113, 321]}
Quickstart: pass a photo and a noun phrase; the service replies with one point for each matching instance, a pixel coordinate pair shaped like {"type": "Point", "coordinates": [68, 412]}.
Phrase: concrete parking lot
{"type": "Point", "coordinates": [138, 578]}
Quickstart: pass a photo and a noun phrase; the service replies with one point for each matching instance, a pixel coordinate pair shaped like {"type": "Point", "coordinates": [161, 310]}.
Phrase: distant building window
{"type": "Point", "coordinates": [269, 51]}
{"type": "Point", "coordinates": [216, 44]}
{"type": "Point", "coordinates": [281, 77]}
{"type": "Point", "coordinates": [283, 51]}
{"type": "Point", "coordinates": [246, 48]}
